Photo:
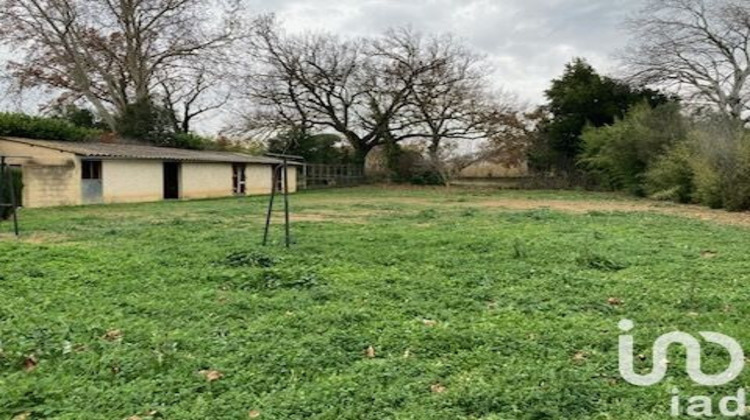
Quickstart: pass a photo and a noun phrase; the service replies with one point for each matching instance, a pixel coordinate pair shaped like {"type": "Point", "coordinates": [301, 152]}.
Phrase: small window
{"type": "Point", "coordinates": [91, 169]}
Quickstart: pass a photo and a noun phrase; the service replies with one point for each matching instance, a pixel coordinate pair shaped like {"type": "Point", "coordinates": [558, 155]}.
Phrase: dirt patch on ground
{"type": "Point", "coordinates": [350, 217]}
{"type": "Point", "coordinates": [35, 237]}
{"type": "Point", "coordinates": [694, 212]}
{"type": "Point", "coordinates": [571, 206]}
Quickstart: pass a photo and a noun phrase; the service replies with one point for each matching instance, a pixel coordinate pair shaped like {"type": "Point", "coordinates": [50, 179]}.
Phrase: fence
{"type": "Point", "coordinates": [317, 176]}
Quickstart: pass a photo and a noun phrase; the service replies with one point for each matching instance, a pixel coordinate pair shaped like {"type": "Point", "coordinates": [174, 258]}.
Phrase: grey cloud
{"type": "Point", "coordinates": [529, 41]}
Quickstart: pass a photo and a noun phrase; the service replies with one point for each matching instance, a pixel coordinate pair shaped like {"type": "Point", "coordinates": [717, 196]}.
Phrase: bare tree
{"type": "Point", "coordinates": [359, 88]}
{"type": "Point", "coordinates": [448, 100]}
{"type": "Point", "coordinates": [699, 47]}
{"type": "Point", "coordinates": [114, 53]}
{"type": "Point", "coordinates": [510, 133]}
{"type": "Point", "coordinates": [187, 95]}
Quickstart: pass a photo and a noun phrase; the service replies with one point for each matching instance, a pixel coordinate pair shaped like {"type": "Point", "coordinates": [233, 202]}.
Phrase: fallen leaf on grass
{"type": "Point", "coordinates": [437, 388]}
{"type": "Point", "coordinates": [709, 254]}
{"type": "Point", "coordinates": [30, 363]}
{"type": "Point", "coordinates": [211, 375]}
{"type": "Point", "coordinates": [429, 322]}
{"type": "Point", "coordinates": [370, 352]}
{"type": "Point", "coordinates": [150, 413]}
{"type": "Point", "coordinates": [407, 354]}
{"type": "Point", "coordinates": [22, 416]}
{"type": "Point", "coordinates": [580, 357]}
{"type": "Point", "coordinates": [113, 335]}
{"type": "Point", "coordinates": [253, 414]}
{"type": "Point", "coordinates": [614, 301]}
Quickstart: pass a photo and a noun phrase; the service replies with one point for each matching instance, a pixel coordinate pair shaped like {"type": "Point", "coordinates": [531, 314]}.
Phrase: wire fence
{"type": "Point", "coordinates": [320, 176]}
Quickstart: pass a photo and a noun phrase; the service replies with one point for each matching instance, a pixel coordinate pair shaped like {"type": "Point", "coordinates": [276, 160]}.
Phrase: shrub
{"type": "Point", "coordinates": [671, 176]}
{"type": "Point", "coordinates": [599, 262]}
{"type": "Point", "coordinates": [250, 259]}
{"type": "Point", "coordinates": [427, 177]}
{"type": "Point", "coordinates": [188, 141]}
{"type": "Point", "coordinates": [721, 165]}
{"type": "Point", "coordinates": [620, 154]}
{"type": "Point", "coordinates": [21, 125]}
{"type": "Point", "coordinates": [145, 121]}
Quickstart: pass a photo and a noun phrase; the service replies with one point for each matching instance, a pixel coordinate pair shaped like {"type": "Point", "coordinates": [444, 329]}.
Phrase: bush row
{"type": "Point", "coordinates": [21, 125]}
{"type": "Point", "coordinates": [660, 153]}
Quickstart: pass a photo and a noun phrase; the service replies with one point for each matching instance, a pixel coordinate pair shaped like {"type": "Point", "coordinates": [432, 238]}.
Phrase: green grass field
{"type": "Point", "coordinates": [408, 304]}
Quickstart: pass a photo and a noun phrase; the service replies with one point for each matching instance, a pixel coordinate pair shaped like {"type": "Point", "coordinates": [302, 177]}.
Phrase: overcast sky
{"type": "Point", "coordinates": [529, 41]}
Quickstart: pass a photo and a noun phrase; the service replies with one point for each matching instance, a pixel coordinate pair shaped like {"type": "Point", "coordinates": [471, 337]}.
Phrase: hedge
{"type": "Point", "coordinates": [41, 128]}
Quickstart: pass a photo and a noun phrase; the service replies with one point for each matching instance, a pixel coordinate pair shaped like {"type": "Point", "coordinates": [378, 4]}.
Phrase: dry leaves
{"type": "Point", "coordinates": [22, 416]}
{"type": "Point", "coordinates": [709, 254]}
{"type": "Point", "coordinates": [151, 413]}
{"type": "Point", "coordinates": [30, 363]}
{"type": "Point", "coordinates": [437, 388]}
{"type": "Point", "coordinates": [113, 335]}
{"type": "Point", "coordinates": [370, 352]}
{"type": "Point", "coordinates": [211, 375]}
{"type": "Point", "coordinates": [580, 357]}
{"type": "Point", "coordinates": [429, 322]}
{"type": "Point", "coordinates": [614, 301]}
{"type": "Point", "coordinates": [253, 414]}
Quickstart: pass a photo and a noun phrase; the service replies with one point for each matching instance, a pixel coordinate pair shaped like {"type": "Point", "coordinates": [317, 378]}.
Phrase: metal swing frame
{"type": "Point", "coordinates": [280, 171]}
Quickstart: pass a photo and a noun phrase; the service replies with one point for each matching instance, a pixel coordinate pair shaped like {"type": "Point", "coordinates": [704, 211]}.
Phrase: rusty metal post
{"type": "Point", "coordinates": [270, 206]}
{"type": "Point", "coordinates": [286, 203]}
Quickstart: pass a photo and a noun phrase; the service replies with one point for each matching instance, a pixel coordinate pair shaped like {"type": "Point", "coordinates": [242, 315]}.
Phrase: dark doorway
{"type": "Point", "coordinates": [239, 180]}
{"type": "Point", "coordinates": [171, 180]}
{"type": "Point", "coordinates": [279, 171]}
{"type": "Point", "coordinates": [91, 181]}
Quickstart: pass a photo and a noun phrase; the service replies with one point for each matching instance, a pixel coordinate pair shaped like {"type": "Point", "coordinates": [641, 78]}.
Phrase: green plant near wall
{"type": "Point", "coordinates": [42, 128]}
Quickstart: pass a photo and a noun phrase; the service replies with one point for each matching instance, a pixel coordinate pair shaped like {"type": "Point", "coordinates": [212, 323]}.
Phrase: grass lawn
{"type": "Point", "coordinates": [403, 303]}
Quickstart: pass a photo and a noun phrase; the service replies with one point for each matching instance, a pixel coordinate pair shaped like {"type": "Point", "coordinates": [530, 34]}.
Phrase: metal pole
{"type": "Point", "coordinates": [286, 204]}
{"type": "Point", "coordinates": [270, 206]}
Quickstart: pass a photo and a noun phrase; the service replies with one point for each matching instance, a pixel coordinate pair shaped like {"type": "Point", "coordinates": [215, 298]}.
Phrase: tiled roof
{"type": "Point", "coordinates": [134, 151]}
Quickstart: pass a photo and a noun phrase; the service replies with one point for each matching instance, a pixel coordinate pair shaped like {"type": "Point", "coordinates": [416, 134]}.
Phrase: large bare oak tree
{"type": "Point", "coordinates": [374, 91]}
{"type": "Point", "coordinates": [701, 48]}
{"type": "Point", "coordinates": [113, 53]}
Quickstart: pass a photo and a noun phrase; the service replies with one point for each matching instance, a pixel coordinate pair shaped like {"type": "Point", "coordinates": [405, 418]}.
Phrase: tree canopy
{"type": "Point", "coordinates": [582, 97]}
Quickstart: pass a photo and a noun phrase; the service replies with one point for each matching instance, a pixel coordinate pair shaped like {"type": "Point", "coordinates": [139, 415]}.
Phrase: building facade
{"type": "Point", "coordinates": [65, 173]}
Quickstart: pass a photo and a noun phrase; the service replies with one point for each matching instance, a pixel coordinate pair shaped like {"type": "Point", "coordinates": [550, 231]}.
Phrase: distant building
{"type": "Point", "coordinates": [490, 168]}
{"type": "Point", "coordinates": [57, 173]}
